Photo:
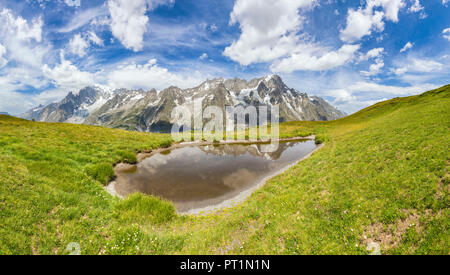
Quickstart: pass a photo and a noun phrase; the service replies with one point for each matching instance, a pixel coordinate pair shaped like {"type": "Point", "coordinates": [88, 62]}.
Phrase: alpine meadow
{"type": "Point", "coordinates": [382, 176]}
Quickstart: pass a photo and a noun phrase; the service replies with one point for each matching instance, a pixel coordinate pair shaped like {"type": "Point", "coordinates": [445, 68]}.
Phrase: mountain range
{"type": "Point", "coordinates": [150, 111]}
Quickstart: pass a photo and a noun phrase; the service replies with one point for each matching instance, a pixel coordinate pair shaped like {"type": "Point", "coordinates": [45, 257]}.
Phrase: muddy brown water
{"type": "Point", "coordinates": [196, 177]}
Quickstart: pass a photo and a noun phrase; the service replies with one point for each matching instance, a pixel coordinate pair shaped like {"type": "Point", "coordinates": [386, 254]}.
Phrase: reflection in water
{"type": "Point", "coordinates": [199, 176]}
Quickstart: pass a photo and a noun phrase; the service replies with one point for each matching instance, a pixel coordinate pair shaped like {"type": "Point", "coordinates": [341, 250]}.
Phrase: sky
{"type": "Point", "coordinates": [353, 53]}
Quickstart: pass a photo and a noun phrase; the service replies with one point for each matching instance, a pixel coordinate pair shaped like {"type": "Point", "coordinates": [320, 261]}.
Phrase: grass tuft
{"type": "Point", "coordinates": [102, 172]}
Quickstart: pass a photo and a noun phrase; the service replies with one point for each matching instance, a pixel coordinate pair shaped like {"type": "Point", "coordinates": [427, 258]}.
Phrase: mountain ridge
{"type": "Point", "coordinates": [150, 111]}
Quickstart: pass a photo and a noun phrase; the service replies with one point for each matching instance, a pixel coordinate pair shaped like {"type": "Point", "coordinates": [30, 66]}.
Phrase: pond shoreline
{"type": "Point", "coordinates": [125, 167]}
{"type": "Point", "coordinates": [244, 195]}
{"type": "Point", "coordinates": [143, 155]}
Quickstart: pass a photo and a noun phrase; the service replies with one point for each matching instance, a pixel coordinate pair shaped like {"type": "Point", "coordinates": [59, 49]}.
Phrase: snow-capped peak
{"type": "Point", "coordinates": [269, 77]}
{"type": "Point", "coordinates": [104, 89]}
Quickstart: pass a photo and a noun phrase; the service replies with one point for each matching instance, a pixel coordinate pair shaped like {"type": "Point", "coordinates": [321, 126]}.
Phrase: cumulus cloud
{"type": "Point", "coordinates": [78, 45]}
{"type": "Point", "coordinates": [364, 21]}
{"type": "Point", "coordinates": [375, 68]}
{"type": "Point", "coordinates": [361, 23]}
{"type": "Point", "coordinates": [373, 53]}
{"type": "Point", "coordinates": [81, 42]}
{"type": "Point", "coordinates": [203, 56]}
{"type": "Point", "coordinates": [268, 29]}
{"type": "Point", "coordinates": [150, 75]}
{"type": "Point", "coordinates": [67, 76]}
{"type": "Point", "coordinates": [416, 7]}
{"type": "Point", "coordinates": [306, 60]}
{"type": "Point", "coordinates": [129, 20]}
{"type": "Point", "coordinates": [446, 34]}
{"type": "Point", "coordinates": [21, 52]}
{"type": "Point", "coordinates": [19, 27]}
{"type": "Point", "coordinates": [407, 46]}
{"type": "Point", "coordinates": [270, 33]}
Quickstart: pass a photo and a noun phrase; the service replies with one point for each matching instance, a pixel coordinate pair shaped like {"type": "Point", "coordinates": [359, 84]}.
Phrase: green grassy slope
{"type": "Point", "coordinates": [382, 176]}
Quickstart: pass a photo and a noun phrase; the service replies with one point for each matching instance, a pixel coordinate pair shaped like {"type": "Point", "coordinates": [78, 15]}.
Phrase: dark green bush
{"type": "Point", "coordinates": [320, 139]}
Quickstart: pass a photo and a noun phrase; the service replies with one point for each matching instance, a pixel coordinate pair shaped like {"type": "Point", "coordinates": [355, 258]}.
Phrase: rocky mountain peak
{"type": "Point", "coordinates": [151, 110]}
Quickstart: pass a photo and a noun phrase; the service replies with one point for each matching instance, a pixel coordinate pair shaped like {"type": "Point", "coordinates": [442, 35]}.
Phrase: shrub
{"type": "Point", "coordinates": [320, 139]}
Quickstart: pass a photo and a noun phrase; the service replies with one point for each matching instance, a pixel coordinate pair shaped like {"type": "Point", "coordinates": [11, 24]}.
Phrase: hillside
{"type": "Point", "coordinates": [383, 176]}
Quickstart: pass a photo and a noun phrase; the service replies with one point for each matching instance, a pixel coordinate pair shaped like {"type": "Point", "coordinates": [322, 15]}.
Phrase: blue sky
{"type": "Point", "coordinates": [352, 53]}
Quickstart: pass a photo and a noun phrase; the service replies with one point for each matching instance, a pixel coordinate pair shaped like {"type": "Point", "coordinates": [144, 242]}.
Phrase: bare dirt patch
{"type": "Point", "coordinates": [390, 236]}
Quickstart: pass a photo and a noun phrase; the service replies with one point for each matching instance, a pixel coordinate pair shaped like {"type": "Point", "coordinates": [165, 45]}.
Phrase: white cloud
{"type": "Point", "coordinates": [416, 7]}
{"type": "Point", "coordinates": [390, 7]}
{"type": "Point", "coordinates": [370, 87]}
{"type": "Point", "coordinates": [363, 22]}
{"type": "Point", "coordinates": [82, 18]}
{"type": "Point", "coordinates": [446, 34]}
{"type": "Point", "coordinates": [444, 2]}
{"type": "Point", "coordinates": [81, 42]}
{"type": "Point", "coordinates": [3, 61]}
{"type": "Point", "coordinates": [375, 68]}
{"type": "Point", "coordinates": [101, 21]}
{"type": "Point", "coordinates": [268, 29]}
{"type": "Point", "coordinates": [150, 75]}
{"type": "Point", "coordinates": [19, 27]}
{"type": "Point", "coordinates": [306, 60]}
{"type": "Point", "coordinates": [23, 70]}
{"type": "Point", "coordinates": [129, 20]}
{"type": "Point", "coordinates": [95, 39]}
{"type": "Point", "coordinates": [78, 45]}
{"type": "Point", "coordinates": [67, 76]}
{"type": "Point", "coordinates": [12, 101]}
{"type": "Point", "coordinates": [24, 76]}
{"type": "Point", "coordinates": [73, 3]}
{"type": "Point", "coordinates": [416, 65]}
{"type": "Point", "coordinates": [270, 33]}
{"type": "Point", "coordinates": [407, 46]}
{"type": "Point", "coordinates": [373, 53]}
{"type": "Point", "coordinates": [203, 56]}
{"type": "Point", "coordinates": [345, 99]}
{"type": "Point", "coordinates": [361, 94]}
{"type": "Point", "coordinates": [22, 51]}
{"type": "Point", "coordinates": [16, 103]}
